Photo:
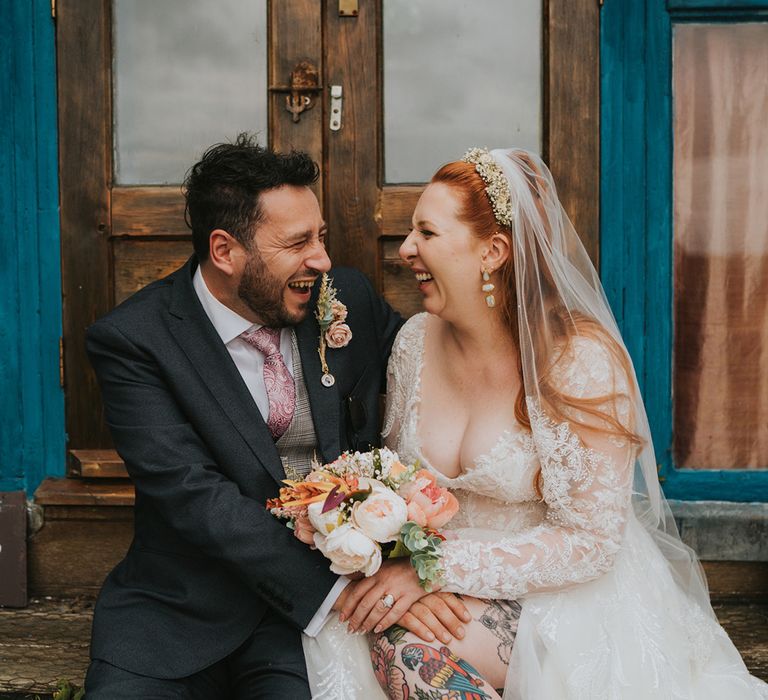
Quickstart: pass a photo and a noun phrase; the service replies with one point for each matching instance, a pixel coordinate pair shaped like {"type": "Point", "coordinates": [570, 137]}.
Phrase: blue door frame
{"type": "Point", "coordinates": [636, 213]}
{"type": "Point", "coordinates": [32, 439]}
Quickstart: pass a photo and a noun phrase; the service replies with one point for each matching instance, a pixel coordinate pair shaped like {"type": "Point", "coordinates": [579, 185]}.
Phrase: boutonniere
{"type": "Point", "coordinates": [331, 315]}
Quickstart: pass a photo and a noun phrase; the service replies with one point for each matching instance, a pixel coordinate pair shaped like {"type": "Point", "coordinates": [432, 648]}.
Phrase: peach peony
{"type": "Point", "coordinates": [429, 505]}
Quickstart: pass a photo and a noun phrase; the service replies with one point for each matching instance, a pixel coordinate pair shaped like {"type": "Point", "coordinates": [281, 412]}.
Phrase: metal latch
{"type": "Point", "coordinates": [349, 8]}
{"type": "Point", "coordinates": [305, 83]}
{"type": "Point", "coordinates": [335, 107]}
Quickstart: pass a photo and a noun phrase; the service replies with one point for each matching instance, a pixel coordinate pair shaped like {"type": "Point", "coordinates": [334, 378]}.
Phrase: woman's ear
{"type": "Point", "coordinates": [497, 251]}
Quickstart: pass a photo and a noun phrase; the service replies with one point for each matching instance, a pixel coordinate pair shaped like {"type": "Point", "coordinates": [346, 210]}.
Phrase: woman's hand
{"type": "Point", "coordinates": [437, 615]}
{"type": "Point", "coordinates": [364, 607]}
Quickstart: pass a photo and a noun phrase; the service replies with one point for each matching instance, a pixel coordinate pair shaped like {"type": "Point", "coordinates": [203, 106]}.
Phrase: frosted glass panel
{"type": "Point", "coordinates": [188, 73]}
{"type": "Point", "coordinates": [458, 74]}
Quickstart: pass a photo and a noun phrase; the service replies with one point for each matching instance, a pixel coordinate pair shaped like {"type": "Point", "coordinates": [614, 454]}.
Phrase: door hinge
{"type": "Point", "coordinates": [53, 9]}
{"type": "Point", "coordinates": [61, 362]}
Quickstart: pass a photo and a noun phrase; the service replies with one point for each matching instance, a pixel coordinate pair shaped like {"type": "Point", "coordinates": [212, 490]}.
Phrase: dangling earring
{"type": "Point", "coordinates": [488, 289]}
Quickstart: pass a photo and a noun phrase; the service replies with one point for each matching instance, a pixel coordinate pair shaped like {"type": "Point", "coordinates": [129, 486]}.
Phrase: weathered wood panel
{"type": "Point", "coordinates": [395, 208]}
{"type": "Point", "coordinates": [139, 262]}
{"type": "Point", "coordinates": [398, 285]}
{"type": "Point", "coordinates": [148, 211]}
{"type": "Point", "coordinates": [295, 34]}
{"type": "Point", "coordinates": [572, 111]}
{"type": "Point", "coordinates": [72, 555]}
{"type": "Point", "coordinates": [353, 152]}
{"type": "Point", "coordinates": [84, 54]}
{"type": "Point", "coordinates": [97, 464]}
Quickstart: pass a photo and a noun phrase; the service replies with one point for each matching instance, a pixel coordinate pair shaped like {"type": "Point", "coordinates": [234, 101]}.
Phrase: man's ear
{"type": "Point", "coordinates": [225, 253]}
{"type": "Point", "coordinates": [497, 251]}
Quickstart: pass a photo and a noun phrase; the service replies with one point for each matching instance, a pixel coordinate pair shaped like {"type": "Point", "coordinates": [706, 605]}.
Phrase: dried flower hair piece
{"type": "Point", "coordinates": [497, 187]}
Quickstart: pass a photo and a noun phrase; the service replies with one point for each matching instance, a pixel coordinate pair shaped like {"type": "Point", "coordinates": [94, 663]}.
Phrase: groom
{"type": "Point", "coordinates": [214, 390]}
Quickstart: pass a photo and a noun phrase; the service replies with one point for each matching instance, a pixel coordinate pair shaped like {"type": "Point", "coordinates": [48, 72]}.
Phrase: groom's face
{"type": "Point", "coordinates": [285, 257]}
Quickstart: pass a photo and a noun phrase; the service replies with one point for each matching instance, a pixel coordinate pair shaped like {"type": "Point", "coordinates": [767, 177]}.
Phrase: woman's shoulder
{"type": "Point", "coordinates": [411, 334]}
{"type": "Point", "coordinates": [588, 366]}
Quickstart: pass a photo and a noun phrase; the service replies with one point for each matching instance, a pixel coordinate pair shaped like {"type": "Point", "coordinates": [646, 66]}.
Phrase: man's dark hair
{"type": "Point", "coordinates": [222, 190]}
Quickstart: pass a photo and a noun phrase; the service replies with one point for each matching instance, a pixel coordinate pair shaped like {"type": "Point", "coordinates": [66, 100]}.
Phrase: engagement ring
{"type": "Point", "coordinates": [388, 600]}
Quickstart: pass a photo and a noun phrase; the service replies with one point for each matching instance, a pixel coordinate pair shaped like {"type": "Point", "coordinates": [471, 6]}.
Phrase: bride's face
{"type": "Point", "coordinates": [443, 254]}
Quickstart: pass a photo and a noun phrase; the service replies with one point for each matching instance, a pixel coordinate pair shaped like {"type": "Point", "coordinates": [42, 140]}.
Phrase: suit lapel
{"type": "Point", "coordinates": [323, 400]}
{"type": "Point", "coordinates": [203, 347]}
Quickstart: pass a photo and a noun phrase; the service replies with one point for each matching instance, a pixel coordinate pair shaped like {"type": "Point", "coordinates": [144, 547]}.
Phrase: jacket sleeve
{"type": "Point", "coordinates": [175, 475]}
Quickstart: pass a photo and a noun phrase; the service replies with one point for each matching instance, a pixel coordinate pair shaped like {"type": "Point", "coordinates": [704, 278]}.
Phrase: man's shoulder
{"type": "Point", "coordinates": [143, 307]}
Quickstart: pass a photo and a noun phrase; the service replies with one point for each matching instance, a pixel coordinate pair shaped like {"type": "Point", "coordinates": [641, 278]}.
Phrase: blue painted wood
{"type": "Point", "coordinates": [721, 5]}
{"type": "Point", "coordinates": [622, 166]}
{"type": "Point", "coordinates": [636, 217]}
{"type": "Point", "coordinates": [31, 404]}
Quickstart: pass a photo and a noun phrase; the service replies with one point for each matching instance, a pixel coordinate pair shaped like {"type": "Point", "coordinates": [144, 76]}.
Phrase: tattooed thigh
{"type": "Point", "coordinates": [409, 668]}
{"type": "Point", "coordinates": [501, 618]}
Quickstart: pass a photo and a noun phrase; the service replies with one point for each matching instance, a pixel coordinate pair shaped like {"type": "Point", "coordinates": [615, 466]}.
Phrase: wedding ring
{"type": "Point", "coordinates": [388, 600]}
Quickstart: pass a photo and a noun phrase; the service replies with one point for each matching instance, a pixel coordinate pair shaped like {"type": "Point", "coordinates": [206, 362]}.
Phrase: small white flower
{"type": "Point", "coordinates": [349, 551]}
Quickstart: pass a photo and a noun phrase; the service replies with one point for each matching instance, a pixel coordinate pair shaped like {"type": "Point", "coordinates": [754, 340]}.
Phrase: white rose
{"type": "Point", "coordinates": [349, 551]}
{"type": "Point", "coordinates": [381, 515]}
{"type": "Point", "coordinates": [322, 522]}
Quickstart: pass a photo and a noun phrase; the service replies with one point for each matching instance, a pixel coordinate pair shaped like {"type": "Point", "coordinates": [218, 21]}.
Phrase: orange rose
{"type": "Point", "coordinates": [429, 505]}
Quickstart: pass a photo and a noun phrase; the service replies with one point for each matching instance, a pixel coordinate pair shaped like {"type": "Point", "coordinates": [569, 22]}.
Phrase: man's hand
{"type": "Point", "coordinates": [363, 605]}
{"type": "Point", "coordinates": [436, 615]}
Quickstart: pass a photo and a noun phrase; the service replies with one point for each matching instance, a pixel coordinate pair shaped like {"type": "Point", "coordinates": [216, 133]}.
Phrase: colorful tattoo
{"type": "Point", "coordinates": [443, 670]}
{"type": "Point", "coordinates": [390, 676]}
{"type": "Point", "coordinates": [501, 617]}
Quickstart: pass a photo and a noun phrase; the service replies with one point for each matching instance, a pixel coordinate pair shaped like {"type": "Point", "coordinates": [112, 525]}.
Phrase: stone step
{"type": "Point", "coordinates": [47, 642]}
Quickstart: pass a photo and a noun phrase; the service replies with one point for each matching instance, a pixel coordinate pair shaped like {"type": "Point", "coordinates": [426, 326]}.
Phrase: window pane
{"type": "Point", "coordinates": [458, 74]}
{"type": "Point", "coordinates": [721, 246]}
{"type": "Point", "coordinates": [188, 73]}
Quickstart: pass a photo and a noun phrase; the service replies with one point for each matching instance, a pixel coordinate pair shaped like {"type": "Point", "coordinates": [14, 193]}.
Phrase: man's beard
{"type": "Point", "coordinates": [263, 294]}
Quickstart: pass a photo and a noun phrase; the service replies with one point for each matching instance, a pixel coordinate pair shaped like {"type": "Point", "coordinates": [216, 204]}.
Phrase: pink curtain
{"type": "Point", "coordinates": [720, 88]}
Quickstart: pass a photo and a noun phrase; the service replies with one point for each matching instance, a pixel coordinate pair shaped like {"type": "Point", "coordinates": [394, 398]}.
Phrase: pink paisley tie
{"type": "Point", "coordinates": [280, 389]}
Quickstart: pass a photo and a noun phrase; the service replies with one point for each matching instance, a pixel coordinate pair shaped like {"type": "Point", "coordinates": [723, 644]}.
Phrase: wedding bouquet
{"type": "Point", "coordinates": [367, 507]}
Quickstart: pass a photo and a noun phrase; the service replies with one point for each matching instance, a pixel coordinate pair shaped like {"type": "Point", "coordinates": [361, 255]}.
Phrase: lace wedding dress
{"type": "Point", "coordinates": [603, 613]}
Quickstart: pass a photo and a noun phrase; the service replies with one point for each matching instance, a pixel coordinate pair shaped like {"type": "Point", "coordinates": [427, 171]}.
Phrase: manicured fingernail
{"type": "Point", "coordinates": [377, 629]}
{"type": "Point", "coordinates": [467, 617]}
{"type": "Point", "coordinates": [446, 638]}
{"type": "Point", "coordinates": [460, 633]}
{"type": "Point", "coordinates": [430, 637]}
{"type": "Point", "coordinates": [342, 617]}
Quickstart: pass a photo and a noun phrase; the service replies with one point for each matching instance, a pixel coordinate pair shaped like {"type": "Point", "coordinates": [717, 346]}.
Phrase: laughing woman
{"type": "Point", "coordinates": [516, 390]}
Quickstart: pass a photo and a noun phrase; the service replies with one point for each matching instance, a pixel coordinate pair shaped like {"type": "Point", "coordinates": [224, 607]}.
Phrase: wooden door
{"type": "Point", "coordinates": [119, 233]}
{"type": "Point", "coordinates": [368, 209]}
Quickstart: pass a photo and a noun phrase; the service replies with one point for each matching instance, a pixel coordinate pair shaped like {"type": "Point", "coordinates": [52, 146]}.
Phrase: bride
{"type": "Point", "coordinates": [515, 389]}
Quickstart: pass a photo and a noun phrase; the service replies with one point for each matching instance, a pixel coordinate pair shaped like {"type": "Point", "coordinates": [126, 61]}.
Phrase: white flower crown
{"type": "Point", "coordinates": [497, 187]}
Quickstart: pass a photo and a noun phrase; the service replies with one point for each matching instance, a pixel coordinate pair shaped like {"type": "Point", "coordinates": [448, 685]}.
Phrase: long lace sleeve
{"type": "Point", "coordinates": [403, 375]}
{"type": "Point", "coordinates": [586, 481]}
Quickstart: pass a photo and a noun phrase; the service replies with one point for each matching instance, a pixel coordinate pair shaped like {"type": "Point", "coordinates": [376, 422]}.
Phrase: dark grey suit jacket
{"type": "Point", "coordinates": [207, 558]}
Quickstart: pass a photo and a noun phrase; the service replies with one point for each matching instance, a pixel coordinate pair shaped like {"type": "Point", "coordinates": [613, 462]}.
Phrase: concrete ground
{"type": "Point", "coordinates": [48, 642]}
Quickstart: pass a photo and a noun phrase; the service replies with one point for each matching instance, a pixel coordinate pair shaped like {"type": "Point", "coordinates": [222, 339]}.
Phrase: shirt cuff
{"type": "Point", "coordinates": [324, 611]}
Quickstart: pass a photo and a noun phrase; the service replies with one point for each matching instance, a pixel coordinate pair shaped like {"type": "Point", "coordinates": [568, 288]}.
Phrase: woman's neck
{"type": "Point", "coordinates": [480, 335]}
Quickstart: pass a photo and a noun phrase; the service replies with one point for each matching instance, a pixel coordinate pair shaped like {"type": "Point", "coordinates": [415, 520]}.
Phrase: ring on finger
{"type": "Point", "coordinates": [388, 600]}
